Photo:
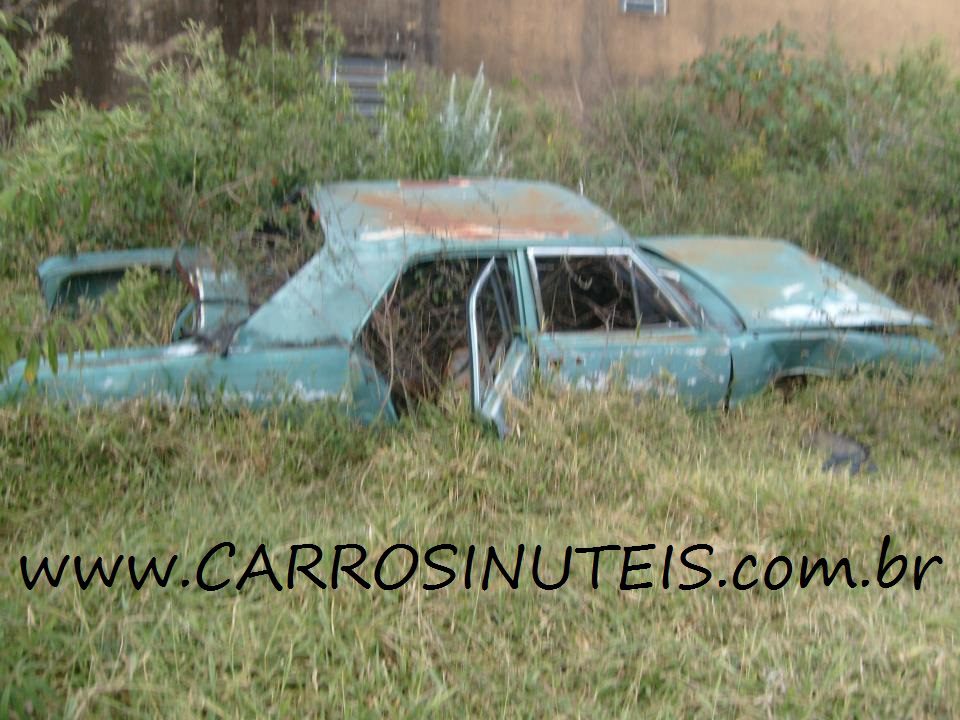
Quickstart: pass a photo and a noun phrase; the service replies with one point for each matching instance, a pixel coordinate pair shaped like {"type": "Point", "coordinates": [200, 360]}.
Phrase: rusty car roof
{"type": "Point", "coordinates": [375, 229]}
{"type": "Point", "coordinates": [461, 212]}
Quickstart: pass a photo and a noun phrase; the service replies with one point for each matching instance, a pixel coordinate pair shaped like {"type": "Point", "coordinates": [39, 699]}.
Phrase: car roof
{"type": "Point", "coordinates": [375, 229]}
{"type": "Point", "coordinates": [461, 214]}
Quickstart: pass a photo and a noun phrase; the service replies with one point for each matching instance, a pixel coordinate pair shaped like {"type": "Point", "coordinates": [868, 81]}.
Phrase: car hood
{"type": "Point", "coordinates": [774, 284]}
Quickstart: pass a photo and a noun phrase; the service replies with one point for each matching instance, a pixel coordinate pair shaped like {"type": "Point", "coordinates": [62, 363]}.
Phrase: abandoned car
{"type": "Point", "coordinates": [499, 281]}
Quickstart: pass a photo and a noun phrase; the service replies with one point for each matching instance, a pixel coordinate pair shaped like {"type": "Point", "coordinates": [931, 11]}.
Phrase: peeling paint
{"type": "Point", "coordinates": [841, 313]}
{"type": "Point", "coordinates": [761, 278]}
{"type": "Point", "coordinates": [182, 350]}
{"type": "Point", "coordinates": [790, 290]}
{"type": "Point", "coordinates": [463, 231]}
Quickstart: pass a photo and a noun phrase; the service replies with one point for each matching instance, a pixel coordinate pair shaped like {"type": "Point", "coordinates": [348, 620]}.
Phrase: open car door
{"type": "Point", "coordinates": [500, 356]}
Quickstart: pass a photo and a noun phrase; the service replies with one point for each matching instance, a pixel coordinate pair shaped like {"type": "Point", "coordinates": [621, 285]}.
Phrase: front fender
{"type": "Point", "coordinates": [761, 358]}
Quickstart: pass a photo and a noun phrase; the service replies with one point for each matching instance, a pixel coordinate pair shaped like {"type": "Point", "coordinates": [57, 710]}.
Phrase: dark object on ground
{"type": "Point", "coordinates": [843, 451]}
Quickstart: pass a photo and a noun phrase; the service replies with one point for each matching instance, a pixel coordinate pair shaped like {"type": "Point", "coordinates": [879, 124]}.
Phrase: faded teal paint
{"type": "Point", "coordinates": [760, 358]}
{"type": "Point", "coordinates": [186, 372]}
{"type": "Point", "coordinates": [373, 230]}
{"type": "Point", "coordinates": [764, 306]}
{"type": "Point", "coordinates": [774, 284]}
{"type": "Point", "coordinates": [64, 279]}
{"type": "Point", "coordinates": [690, 362]}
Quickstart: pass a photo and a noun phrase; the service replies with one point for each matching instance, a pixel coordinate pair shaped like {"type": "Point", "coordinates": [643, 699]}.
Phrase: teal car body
{"type": "Point", "coordinates": [710, 319]}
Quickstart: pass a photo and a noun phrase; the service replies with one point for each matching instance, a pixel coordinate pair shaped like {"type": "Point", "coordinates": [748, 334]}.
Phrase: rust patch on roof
{"type": "Point", "coordinates": [468, 231]}
{"type": "Point", "coordinates": [460, 210]}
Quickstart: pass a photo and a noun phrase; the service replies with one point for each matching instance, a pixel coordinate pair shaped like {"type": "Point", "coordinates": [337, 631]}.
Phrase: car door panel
{"type": "Point", "coordinates": [501, 359]}
{"type": "Point", "coordinates": [693, 362]}
{"type": "Point", "coordinates": [605, 317]}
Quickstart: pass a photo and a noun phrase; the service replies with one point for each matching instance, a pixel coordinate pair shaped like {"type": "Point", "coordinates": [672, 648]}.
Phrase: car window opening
{"type": "Point", "coordinates": [417, 335]}
{"type": "Point", "coordinates": [605, 293]}
{"type": "Point", "coordinates": [127, 308]}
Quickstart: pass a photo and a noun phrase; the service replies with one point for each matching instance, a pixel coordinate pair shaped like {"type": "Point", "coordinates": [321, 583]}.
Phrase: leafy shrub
{"type": "Point", "coordinates": [540, 140]}
{"type": "Point", "coordinates": [762, 139]}
{"type": "Point", "coordinates": [43, 54]}
{"type": "Point", "coordinates": [418, 141]}
{"type": "Point", "coordinates": [767, 87]}
{"type": "Point", "coordinates": [210, 147]}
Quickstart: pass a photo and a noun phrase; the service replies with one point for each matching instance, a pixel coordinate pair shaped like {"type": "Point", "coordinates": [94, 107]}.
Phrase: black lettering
{"type": "Point", "coordinates": [693, 566]}
{"type": "Point", "coordinates": [261, 552]}
{"type": "Point", "coordinates": [106, 580]}
{"type": "Point", "coordinates": [382, 561]}
{"type": "Point", "coordinates": [43, 568]}
{"type": "Point", "coordinates": [919, 572]}
{"type": "Point", "coordinates": [492, 558]}
{"type": "Point", "coordinates": [201, 581]}
{"type": "Point", "coordinates": [293, 568]}
{"type": "Point", "coordinates": [596, 559]}
{"type": "Point", "coordinates": [428, 561]}
{"type": "Point", "coordinates": [568, 553]}
{"type": "Point", "coordinates": [807, 572]}
{"type": "Point", "coordinates": [752, 559]}
{"type": "Point", "coordinates": [667, 559]}
{"type": "Point", "coordinates": [768, 573]}
{"type": "Point", "coordinates": [348, 569]}
{"type": "Point", "coordinates": [161, 580]}
{"type": "Point", "coordinates": [884, 565]}
{"type": "Point", "coordinates": [628, 568]}
{"type": "Point", "coordinates": [468, 571]}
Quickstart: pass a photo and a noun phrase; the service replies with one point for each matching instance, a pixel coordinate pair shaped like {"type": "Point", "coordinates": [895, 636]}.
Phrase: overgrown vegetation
{"type": "Point", "coordinates": [418, 327]}
{"type": "Point", "coordinates": [21, 74]}
{"type": "Point", "coordinates": [214, 148]}
{"type": "Point", "coordinates": [146, 481]}
{"type": "Point", "coordinates": [760, 138]}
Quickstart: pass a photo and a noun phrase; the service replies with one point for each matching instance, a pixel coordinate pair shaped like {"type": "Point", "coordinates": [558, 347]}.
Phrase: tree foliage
{"type": "Point", "coordinates": [213, 147]}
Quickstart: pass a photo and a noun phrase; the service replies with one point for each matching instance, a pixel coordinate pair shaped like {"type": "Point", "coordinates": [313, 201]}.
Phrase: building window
{"type": "Point", "coordinates": [644, 7]}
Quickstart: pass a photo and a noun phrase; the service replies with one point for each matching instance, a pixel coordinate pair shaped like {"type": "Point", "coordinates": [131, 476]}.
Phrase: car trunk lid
{"type": "Point", "coordinates": [774, 284]}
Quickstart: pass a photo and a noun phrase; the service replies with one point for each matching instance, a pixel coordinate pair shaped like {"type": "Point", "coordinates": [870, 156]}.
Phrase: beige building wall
{"type": "Point", "coordinates": [571, 49]}
{"type": "Point", "coordinates": [583, 46]}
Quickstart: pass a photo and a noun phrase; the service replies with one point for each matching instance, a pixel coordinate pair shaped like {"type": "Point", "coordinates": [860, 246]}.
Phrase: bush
{"type": "Point", "coordinates": [761, 139]}
{"type": "Point", "coordinates": [210, 147]}
{"type": "Point", "coordinates": [213, 148]}
{"type": "Point", "coordinates": [43, 54]}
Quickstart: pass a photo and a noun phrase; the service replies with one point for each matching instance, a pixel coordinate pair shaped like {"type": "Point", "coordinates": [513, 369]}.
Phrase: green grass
{"type": "Point", "coordinates": [585, 470]}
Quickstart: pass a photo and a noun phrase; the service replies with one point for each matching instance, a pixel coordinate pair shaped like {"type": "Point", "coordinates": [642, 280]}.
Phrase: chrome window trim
{"type": "Point", "coordinates": [627, 252]}
{"type": "Point", "coordinates": [476, 394]}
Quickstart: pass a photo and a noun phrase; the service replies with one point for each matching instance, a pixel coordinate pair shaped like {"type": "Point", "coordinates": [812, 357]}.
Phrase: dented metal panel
{"type": "Point", "coordinates": [774, 284]}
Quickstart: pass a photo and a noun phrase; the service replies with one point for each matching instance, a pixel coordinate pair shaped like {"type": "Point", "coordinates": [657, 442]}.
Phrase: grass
{"type": "Point", "coordinates": [586, 470]}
